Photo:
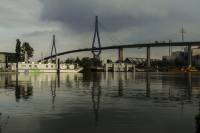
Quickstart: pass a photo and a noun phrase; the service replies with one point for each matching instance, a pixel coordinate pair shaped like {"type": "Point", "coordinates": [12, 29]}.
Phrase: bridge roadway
{"type": "Point", "coordinates": [120, 48]}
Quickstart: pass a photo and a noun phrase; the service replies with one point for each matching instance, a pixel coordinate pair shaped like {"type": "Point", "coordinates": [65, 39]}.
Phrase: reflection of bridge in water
{"type": "Point", "coordinates": [157, 87]}
{"type": "Point", "coordinates": [24, 84]}
{"type": "Point", "coordinates": [151, 93]}
{"type": "Point", "coordinates": [96, 95]}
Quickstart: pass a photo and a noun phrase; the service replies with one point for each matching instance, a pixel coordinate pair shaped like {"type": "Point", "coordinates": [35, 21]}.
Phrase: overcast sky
{"type": "Point", "coordinates": [121, 22]}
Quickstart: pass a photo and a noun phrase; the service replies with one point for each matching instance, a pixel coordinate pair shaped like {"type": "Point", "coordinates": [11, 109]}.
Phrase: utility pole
{"type": "Point", "coordinates": [183, 31]}
{"type": "Point", "coordinates": [42, 57]}
{"type": "Point", "coordinates": [189, 50]}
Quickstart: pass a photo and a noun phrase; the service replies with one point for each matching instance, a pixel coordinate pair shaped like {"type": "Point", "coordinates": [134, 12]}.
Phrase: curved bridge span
{"type": "Point", "coordinates": [128, 46]}
{"type": "Point", "coordinates": [120, 47]}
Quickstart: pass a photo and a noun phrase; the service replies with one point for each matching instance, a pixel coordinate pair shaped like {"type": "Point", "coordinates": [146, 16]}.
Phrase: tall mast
{"type": "Point", "coordinates": [183, 31]}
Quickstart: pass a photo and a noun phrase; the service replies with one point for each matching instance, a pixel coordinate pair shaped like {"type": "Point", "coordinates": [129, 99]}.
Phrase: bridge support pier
{"type": "Point", "coordinates": [6, 62]}
{"type": "Point", "coordinates": [58, 66]}
{"type": "Point", "coordinates": [120, 54]}
{"type": "Point", "coordinates": [189, 56]}
{"type": "Point", "coordinates": [148, 57]}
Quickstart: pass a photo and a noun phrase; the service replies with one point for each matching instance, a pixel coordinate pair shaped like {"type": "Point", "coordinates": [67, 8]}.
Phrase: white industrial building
{"type": "Point", "coordinates": [181, 57]}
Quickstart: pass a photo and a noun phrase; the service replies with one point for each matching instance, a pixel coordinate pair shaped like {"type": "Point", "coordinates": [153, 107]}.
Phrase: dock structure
{"type": "Point", "coordinates": [119, 67]}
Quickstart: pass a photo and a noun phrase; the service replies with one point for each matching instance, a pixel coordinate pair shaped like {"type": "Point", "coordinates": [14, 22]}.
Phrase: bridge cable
{"type": "Point", "coordinates": [112, 37]}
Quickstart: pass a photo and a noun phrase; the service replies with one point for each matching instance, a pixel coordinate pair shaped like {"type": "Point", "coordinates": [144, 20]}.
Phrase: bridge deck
{"type": "Point", "coordinates": [128, 46]}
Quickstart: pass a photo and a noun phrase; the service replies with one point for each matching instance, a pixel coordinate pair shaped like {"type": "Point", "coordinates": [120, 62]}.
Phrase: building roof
{"type": "Point", "coordinates": [6, 53]}
{"type": "Point", "coordinates": [135, 61]}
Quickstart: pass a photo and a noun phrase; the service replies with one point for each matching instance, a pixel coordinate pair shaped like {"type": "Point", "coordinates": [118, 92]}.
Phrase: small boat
{"type": "Point", "coordinates": [139, 70]}
{"type": "Point", "coordinates": [33, 67]}
{"type": "Point", "coordinates": [189, 69]}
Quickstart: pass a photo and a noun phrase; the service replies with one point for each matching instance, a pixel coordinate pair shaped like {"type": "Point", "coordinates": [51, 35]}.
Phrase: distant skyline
{"type": "Point", "coordinates": [121, 21]}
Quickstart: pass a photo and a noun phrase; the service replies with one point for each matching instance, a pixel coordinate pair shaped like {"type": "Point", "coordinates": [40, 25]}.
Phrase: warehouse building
{"type": "Point", "coordinates": [181, 57]}
{"type": "Point", "coordinates": [6, 59]}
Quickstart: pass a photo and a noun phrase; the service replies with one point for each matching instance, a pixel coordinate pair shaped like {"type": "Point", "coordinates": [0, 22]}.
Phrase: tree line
{"type": "Point", "coordinates": [21, 49]}
{"type": "Point", "coordinates": [86, 62]}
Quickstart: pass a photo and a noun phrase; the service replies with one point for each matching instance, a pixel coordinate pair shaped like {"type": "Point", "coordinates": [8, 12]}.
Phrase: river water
{"type": "Point", "coordinates": [100, 103]}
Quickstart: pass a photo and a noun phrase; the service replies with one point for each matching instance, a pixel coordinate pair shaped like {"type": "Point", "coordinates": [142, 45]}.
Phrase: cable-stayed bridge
{"type": "Point", "coordinates": [96, 50]}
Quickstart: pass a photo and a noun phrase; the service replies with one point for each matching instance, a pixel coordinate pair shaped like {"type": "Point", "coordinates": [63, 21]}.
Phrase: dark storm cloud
{"type": "Point", "coordinates": [113, 14]}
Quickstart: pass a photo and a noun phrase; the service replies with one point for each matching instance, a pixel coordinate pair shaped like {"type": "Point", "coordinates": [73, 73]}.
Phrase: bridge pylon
{"type": "Point", "coordinates": [120, 54]}
{"type": "Point", "coordinates": [96, 51]}
{"type": "Point", "coordinates": [53, 48]}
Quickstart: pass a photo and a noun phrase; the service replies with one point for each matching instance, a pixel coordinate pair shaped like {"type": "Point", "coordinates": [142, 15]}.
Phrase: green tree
{"type": "Point", "coordinates": [18, 50]}
{"type": "Point", "coordinates": [69, 61]}
{"type": "Point", "coordinates": [96, 62]}
{"type": "Point", "coordinates": [26, 47]}
{"type": "Point", "coordinates": [86, 63]}
{"type": "Point", "coordinates": [109, 61]}
{"type": "Point", "coordinates": [78, 61]}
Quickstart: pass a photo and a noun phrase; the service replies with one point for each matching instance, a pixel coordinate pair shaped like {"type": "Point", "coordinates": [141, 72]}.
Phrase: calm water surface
{"type": "Point", "coordinates": [100, 103]}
